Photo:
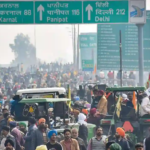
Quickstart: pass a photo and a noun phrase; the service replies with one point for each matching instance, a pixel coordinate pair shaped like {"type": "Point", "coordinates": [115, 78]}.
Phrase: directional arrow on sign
{"type": "Point", "coordinates": [89, 8]}
{"type": "Point", "coordinates": [40, 9]}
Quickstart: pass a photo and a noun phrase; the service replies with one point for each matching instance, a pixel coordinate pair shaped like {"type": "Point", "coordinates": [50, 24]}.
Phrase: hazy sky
{"type": "Point", "coordinates": [52, 41]}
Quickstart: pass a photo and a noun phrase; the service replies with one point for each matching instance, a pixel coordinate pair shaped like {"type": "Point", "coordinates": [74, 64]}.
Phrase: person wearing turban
{"type": "Point", "coordinates": [109, 144]}
{"type": "Point", "coordinates": [85, 111]}
{"type": "Point", "coordinates": [9, 144]}
{"type": "Point", "coordinates": [94, 117]}
{"type": "Point", "coordinates": [120, 139]}
{"type": "Point", "coordinates": [40, 136]}
{"type": "Point", "coordinates": [102, 102]}
{"type": "Point", "coordinates": [42, 121]}
{"type": "Point", "coordinates": [83, 130]}
{"type": "Point", "coordinates": [22, 127]}
{"type": "Point", "coordinates": [115, 146]}
{"type": "Point", "coordinates": [41, 147]}
{"type": "Point", "coordinates": [53, 144]}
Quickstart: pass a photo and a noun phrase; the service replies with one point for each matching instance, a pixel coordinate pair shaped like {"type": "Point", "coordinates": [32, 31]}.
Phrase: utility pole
{"type": "Point", "coordinates": [120, 59]}
{"type": "Point", "coordinates": [140, 53]}
{"type": "Point", "coordinates": [74, 47]}
{"type": "Point", "coordinates": [78, 48]}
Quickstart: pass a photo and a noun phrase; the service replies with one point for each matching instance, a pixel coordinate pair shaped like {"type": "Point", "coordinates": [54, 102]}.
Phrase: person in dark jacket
{"type": "Point", "coordinates": [31, 129]}
{"type": "Point", "coordinates": [74, 134]}
{"type": "Point", "coordinates": [92, 118]}
{"type": "Point", "coordinates": [3, 122]}
{"type": "Point", "coordinates": [147, 143]}
{"type": "Point", "coordinates": [83, 130]}
{"type": "Point", "coordinates": [39, 136]}
{"type": "Point", "coordinates": [120, 134]}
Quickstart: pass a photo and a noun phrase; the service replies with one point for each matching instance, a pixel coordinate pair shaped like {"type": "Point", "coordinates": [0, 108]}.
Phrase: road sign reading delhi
{"type": "Point", "coordinates": [105, 12]}
{"type": "Point", "coordinates": [16, 12]}
{"type": "Point", "coordinates": [58, 12]}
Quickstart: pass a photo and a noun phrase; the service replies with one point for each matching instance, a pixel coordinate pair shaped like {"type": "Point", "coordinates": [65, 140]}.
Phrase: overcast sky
{"type": "Point", "coordinates": [52, 41]}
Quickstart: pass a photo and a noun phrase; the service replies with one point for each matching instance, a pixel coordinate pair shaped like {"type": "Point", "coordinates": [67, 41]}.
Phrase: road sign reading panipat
{"type": "Point", "coordinates": [58, 12]}
{"type": "Point", "coordinates": [105, 12]}
{"type": "Point", "coordinates": [16, 12]}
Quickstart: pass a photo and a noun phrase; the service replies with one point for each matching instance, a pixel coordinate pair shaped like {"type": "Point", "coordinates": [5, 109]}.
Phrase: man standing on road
{"type": "Point", "coordinates": [120, 134]}
{"type": "Point", "coordinates": [74, 134]}
{"type": "Point", "coordinates": [53, 144]}
{"type": "Point", "coordinates": [68, 143]}
{"type": "Point", "coordinates": [98, 142]}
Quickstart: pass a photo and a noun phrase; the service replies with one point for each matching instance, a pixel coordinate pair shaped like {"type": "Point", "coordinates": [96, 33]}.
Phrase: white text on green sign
{"type": "Point", "coordinates": [88, 40]}
{"type": "Point", "coordinates": [16, 12]}
{"type": "Point", "coordinates": [105, 12]}
{"type": "Point", "coordinates": [61, 12]}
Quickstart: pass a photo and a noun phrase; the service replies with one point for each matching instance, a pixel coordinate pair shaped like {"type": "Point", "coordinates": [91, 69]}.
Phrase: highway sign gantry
{"type": "Point", "coordinates": [71, 11]}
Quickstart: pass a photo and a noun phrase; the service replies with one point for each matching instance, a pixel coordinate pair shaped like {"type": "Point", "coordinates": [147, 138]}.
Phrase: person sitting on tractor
{"type": "Point", "coordinates": [81, 92]}
{"type": "Point", "coordinates": [127, 108]}
{"type": "Point", "coordinates": [100, 101]}
{"type": "Point", "coordinates": [145, 106]}
{"type": "Point", "coordinates": [102, 104]}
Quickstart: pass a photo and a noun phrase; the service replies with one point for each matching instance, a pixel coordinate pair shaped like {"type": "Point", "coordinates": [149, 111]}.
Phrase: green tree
{"type": "Point", "coordinates": [24, 51]}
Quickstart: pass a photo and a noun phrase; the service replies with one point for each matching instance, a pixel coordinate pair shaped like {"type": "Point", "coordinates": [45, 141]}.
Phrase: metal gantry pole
{"type": "Point", "coordinates": [120, 59]}
{"type": "Point", "coordinates": [140, 54]}
{"type": "Point", "coordinates": [74, 48]}
{"type": "Point", "coordinates": [78, 48]}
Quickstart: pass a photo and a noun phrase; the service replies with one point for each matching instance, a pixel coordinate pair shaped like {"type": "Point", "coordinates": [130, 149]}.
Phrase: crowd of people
{"type": "Point", "coordinates": [36, 135]}
{"type": "Point", "coordinates": [16, 136]}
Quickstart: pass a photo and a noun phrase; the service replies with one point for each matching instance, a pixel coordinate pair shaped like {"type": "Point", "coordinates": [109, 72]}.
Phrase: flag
{"type": "Point", "coordinates": [69, 97]}
{"type": "Point", "coordinates": [94, 71]}
{"type": "Point", "coordinates": [118, 107]}
{"type": "Point", "coordinates": [134, 101]}
{"type": "Point", "coordinates": [148, 82]}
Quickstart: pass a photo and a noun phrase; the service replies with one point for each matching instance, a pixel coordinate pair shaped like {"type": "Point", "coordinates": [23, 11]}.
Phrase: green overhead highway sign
{"type": "Point", "coordinates": [61, 12]}
{"type": "Point", "coordinates": [71, 11]}
{"type": "Point", "coordinates": [108, 57]}
{"type": "Point", "coordinates": [105, 12]}
{"type": "Point", "coordinates": [16, 12]}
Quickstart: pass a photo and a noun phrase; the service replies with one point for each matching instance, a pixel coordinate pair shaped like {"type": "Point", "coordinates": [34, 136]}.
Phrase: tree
{"type": "Point", "coordinates": [24, 51]}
